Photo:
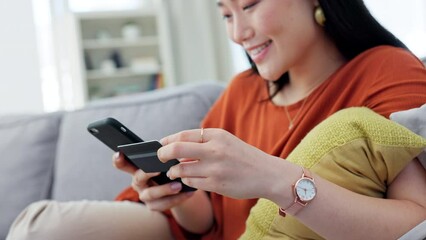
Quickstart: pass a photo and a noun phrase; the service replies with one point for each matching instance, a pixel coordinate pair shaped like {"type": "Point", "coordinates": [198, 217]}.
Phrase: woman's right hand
{"type": "Point", "coordinates": [156, 197]}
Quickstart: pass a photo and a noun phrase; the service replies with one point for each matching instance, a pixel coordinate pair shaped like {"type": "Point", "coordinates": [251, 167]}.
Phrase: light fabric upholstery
{"type": "Point", "coordinates": [36, 148]}
{"type": "Point", "coordinates": [84, 167]}
{"type": "Point", "coordinates": [27, 147]}
{"type": "Point", "coordinates": [415, 120]}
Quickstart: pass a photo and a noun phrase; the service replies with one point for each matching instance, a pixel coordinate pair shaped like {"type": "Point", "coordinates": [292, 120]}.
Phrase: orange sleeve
{"type": "Point", "coordinates": [400, 81]}
{"type": "Point", "coordinates": [128, 194]}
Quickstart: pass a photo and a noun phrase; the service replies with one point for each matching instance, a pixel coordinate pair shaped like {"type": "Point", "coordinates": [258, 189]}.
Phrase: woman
{"type": "Point", "coordinates": [310, 59]}
{"type": "Point", "coordinates": [314, 64]}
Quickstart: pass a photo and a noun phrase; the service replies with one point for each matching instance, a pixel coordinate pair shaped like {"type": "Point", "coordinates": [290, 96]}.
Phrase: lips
{"type": "Point", "coordinates": [257, 53]}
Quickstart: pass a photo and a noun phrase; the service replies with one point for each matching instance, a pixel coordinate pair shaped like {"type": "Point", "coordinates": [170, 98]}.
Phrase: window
{"type": "Point", "coordinates": [104, 5]}
{"type": "Point", "coordinates": [406, 19]}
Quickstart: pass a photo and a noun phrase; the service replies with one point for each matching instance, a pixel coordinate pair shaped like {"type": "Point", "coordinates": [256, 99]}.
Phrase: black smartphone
{"type": "Point", "coordinates": [114, 134]}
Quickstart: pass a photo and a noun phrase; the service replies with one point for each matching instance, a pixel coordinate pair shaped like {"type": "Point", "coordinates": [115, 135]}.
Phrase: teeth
{"type": "Point", "coordinates": [256, 51]}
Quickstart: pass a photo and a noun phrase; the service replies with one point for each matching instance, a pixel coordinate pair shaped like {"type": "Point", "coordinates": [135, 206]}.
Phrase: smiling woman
{"type": "Point", "coordinates": [302, 61]}
{"type": "Point", "coordinates": [304, 130]}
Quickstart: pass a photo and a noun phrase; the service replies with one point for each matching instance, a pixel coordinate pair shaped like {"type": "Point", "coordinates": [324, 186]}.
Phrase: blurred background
{"type": "Point", "coordinates": [63, 54]}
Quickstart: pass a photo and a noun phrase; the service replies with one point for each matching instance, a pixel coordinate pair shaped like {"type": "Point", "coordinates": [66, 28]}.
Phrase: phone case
{"type": "Point", "coordinates": [113, 134]}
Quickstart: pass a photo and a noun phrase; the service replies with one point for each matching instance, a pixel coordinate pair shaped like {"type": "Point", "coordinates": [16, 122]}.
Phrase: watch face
{"type": "Point", "coordinates": [305, 189]}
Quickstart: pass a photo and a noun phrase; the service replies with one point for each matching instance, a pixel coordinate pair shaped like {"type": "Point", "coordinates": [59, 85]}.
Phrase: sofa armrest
{"type": "Point", "coordinates": [417, 233]}
{"type": "Point", "coordinates": [28, 147]}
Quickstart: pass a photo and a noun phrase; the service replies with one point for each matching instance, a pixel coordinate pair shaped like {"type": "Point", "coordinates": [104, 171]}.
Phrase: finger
{"type": "Point", "coordinates": [194, 135]}
{"type": "Point", "coordinates": [186, 150]}
{"type": "Point", "coordinates": [187, 170]}
{"type": "Point", "coordinates": [160, 191]}
{"type": "Point", "coordinates": [168, 202]}
{"type": "Point", "coordinates": [119, 162]}
{"type": "Point", "coordinates": [141, 180]}
{"type": "Point", "coordinates": [198, 183]}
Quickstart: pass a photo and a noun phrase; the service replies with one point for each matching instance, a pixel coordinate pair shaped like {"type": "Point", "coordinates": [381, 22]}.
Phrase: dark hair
{"type": "Point", "coordinates": [352, 28]}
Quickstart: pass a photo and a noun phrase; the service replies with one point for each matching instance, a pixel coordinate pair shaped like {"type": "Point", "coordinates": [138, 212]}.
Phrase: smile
{"type": "Point", "coordinates": [257, 53]}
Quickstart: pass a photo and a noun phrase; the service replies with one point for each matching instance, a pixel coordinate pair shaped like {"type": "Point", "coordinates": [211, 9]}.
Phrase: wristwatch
{"type": "Point", "coordinates": [304, 191]}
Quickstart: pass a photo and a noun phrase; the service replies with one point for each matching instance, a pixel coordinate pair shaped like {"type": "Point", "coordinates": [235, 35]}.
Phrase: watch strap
{"type": "Point", "coordinates": [297, 205]}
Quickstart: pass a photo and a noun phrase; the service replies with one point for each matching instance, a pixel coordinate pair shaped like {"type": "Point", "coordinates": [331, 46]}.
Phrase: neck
{"type": "Point", "coordinates": [315, 68]}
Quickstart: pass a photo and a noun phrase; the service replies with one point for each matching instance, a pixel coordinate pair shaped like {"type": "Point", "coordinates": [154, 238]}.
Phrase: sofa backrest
{"type": "Point", "coordinates": [83, 164]}
{"type": "Point", "coordinates": [28, 148]}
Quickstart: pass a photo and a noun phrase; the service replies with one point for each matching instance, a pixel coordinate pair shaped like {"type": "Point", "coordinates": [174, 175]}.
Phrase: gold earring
{"type": "Point", "coordinates": [319, 16]}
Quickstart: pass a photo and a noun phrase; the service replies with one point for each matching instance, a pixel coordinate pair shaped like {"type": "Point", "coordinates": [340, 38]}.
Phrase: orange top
{"type": "Point", "coordinates": [384, 79]}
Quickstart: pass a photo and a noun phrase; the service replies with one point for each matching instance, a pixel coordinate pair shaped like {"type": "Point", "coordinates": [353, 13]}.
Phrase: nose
{"type": "Point", "coordinates": [241, 30]}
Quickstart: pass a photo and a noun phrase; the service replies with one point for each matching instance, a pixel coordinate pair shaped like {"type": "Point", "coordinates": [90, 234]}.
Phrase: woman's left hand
{"type": "Point", "coordinates": [215, 160]}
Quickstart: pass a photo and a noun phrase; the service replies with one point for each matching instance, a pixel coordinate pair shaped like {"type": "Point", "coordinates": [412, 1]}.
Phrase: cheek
{"type": "Point", "coordinates": [268, 23]}
{"type": "Point", "coordinates": [273, 18]}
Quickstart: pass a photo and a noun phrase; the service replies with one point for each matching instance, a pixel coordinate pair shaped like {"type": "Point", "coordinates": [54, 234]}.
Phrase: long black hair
{"type": "Point", "coordinates": [352, 28]}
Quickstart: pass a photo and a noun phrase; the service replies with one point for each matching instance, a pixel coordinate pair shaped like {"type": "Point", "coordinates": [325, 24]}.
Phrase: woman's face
{"type": "Point", "coordinates": [277, 34]}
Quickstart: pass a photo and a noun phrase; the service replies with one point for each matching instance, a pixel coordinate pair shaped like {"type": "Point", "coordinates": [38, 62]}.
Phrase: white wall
{"type": "Point", "coordinates": [199, 41]}
{"type": "Point", "coordinates": [406, 19]}
{"type": "Point", "coordinates": [20, 83]}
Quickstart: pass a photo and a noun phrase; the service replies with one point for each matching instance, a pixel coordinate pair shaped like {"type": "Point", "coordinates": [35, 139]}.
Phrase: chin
{"type": "Point", "coordinates": [269, 76]}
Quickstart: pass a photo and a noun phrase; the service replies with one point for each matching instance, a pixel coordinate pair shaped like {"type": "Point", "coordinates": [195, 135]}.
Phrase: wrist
{"type": "Point", "coordinates": [280, 184]}
{"type": "Point", "coordinates": [195, 214]}
{"type": "Point", "coordinates": [304, 191]}
{"type": "Point", "coordinates": [283, 190]}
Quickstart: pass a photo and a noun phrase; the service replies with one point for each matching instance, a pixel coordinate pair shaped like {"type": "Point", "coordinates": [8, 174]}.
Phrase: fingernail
{"type": "Point", "coordinates": [159, 153]}
{"type": "Point", "coordinates": [175, 186]}
{"type": "Point", "coordinates": [116, 155]}
{"type": "Point", "coordinates": [168, 174]}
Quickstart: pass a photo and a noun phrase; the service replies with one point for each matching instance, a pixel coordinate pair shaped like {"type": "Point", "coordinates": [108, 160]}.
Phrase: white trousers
{"type": "Point", "coordinates": [52, 220]}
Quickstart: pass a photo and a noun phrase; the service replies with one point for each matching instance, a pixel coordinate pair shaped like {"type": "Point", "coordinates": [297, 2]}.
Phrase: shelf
{"type": "Point", "coordinates": [120, 43]}
{"type": "Point", "coordinates": [117, 14]}
{"type": "Point", "coordinates": [120, 73]}
{"type": "Point", "coordinates": [122, 52]}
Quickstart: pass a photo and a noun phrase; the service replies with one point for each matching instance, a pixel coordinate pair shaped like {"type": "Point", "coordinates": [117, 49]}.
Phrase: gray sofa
{"type": "Point", "coordinates": [52, 156]}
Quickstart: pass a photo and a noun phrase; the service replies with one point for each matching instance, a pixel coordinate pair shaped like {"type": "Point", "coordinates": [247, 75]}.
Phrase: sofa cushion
{"type": "Point", "coordinates": [415, 120]}
{"type": "Point", "coordinates": [28, 147]}
{"type": "Point", "coordinates": [84, 166]}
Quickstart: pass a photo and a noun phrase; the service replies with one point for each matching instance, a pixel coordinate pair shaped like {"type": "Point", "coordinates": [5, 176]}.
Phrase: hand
{"type": "Point", "coordinates": [224, 164]}
{"type": "Point", "coordinates": [155, 197]}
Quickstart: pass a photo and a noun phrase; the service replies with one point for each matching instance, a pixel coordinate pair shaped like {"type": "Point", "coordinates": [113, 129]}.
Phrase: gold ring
{"type": "Point", "coordinates": [202, 135]}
